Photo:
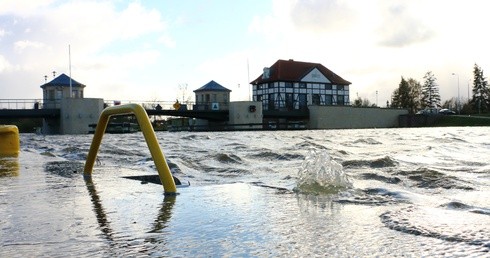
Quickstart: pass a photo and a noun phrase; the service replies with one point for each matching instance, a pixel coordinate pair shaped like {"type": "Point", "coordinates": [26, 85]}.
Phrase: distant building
{"type": "Point", "coordinates": [212, 96]}
{"type": "Point", "coordinates": [292, 85]}
{"type": "Point", "coordinates": [58, 89]}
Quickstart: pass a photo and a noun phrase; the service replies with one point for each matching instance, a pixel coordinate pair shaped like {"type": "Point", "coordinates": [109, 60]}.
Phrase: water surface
{"type": "Point", "coordinates": [379, 192]}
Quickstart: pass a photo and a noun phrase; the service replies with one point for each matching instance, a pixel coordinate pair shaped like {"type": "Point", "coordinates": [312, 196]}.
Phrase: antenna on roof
{"type": "Point", "coordinates": [69, 63]}
{"type": "Point", "coordinates": [248, 80]}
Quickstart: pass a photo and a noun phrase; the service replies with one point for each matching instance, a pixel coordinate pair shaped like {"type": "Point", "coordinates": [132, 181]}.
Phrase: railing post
{"type": "Point", "coordinates": [151, 140]}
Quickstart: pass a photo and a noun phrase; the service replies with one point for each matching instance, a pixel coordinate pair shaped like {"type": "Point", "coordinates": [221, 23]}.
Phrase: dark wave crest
{"type": "Point", "coordinates": [377, 163]}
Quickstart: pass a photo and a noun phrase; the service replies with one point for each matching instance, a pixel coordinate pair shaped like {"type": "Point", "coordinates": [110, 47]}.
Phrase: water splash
{"type": "Point", "coordinates": [320, 174]}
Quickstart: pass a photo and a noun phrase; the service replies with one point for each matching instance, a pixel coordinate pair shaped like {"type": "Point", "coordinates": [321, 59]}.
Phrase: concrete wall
{"type": "Point", "coordinates": [77, 114]}
{"type": "Point", "coordinates": [240, 113]}
{"type": "Point", "coordinates": [343, 117]}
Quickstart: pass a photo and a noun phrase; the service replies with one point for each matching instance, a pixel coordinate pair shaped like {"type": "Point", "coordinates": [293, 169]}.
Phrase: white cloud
{"type": "Point", "coordinates": [374, 43]}
{"type": "Point", "coordinates": [399, 28]}
{"type": "Point", "coordinates": [4, 64]}
{"type": "Point", "coordinates": [108, 44]}
{"type": "Point", "coordinates": [21, 45]}
{"type": "Point", "coordinates": [167, 41]}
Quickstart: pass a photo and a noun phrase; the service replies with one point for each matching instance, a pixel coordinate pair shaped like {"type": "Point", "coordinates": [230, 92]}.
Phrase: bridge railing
{"type": "Point", "coordinates": [21, 103]}
{"type": "Point", "coordinates": [155, 104]}
{"type": "Point", "coordinates": [165, 105]}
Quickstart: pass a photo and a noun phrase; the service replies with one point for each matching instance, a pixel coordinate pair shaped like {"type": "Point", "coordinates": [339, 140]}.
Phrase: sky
{"type": "Point", "coordinates": [163, 50]}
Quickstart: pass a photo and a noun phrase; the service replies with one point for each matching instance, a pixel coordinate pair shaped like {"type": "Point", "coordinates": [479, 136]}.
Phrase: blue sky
{"type": "Point", "coordinates": [147, 50]}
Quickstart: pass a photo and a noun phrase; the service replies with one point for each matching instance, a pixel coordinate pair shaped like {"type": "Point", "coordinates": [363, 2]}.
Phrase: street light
{"type": "Point", "coordinates": [458, 103]}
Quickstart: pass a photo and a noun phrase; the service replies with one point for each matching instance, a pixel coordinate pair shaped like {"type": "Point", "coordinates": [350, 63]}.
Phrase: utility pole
{"type": "Point", "coordinates": [458, 102]}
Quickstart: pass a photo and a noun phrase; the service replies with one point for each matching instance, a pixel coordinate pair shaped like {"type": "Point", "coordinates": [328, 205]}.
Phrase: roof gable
{"type": "Point", "coordinates": [63, 80]}
{"type": "Point", "coordinates": [315, 76]}
{"type": "Point", "coordinates": [212, 86]}
{"type": "Point", "coordinates": [290, 70]}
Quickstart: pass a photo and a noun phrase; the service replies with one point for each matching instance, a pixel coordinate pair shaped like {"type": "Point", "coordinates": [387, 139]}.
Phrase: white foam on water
{"type": "Point", "coordinates": [319, 173]}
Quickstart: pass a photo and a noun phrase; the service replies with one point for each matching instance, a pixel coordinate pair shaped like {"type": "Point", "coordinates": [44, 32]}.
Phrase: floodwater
{"type": "Point", "coordinates": [336, 193]}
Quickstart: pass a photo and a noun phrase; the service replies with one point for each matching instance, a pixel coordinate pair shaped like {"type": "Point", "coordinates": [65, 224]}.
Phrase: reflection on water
{"type": "Point", "coordinates": [9, 166]}
{"type": "Point", "coordinates": [100, 214]}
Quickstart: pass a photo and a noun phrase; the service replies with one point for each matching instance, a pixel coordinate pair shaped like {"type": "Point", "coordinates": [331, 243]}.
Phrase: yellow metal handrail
{"type": "Point", "coordinates": [151, 140]}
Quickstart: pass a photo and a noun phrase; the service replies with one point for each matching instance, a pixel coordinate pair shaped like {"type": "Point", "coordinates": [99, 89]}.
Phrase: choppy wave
{"type": "Point", "coordinates": [445, 224]}
{"type": "Point", "coordinates": [275, 156]}
{"type": "Point", "coordinates": [376, 163]}
{"type": "Point", "coordinates": [228, 158]}
{"type": "Point", "coordinates": [378, 177]}
{"type": "Point", "coordinates": [372, 197]}
{"type": "Point", "coordinates": [431, 178]}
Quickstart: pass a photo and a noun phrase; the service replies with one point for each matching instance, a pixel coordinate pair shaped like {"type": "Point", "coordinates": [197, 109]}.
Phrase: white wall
{"type": "Point", "coordinates": [343, 117]}
{"type": "Point", "coordinates": [239, 113]}
{"type": "Point", "coordinates": [77, 114]}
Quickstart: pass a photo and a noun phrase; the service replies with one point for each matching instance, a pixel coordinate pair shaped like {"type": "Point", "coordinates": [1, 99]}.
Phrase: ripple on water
{"type": "Point", "coordinates": [64, 168]}
{"type": "Point", "coordinates": [442, 223]}
{"type": "Point", "coordinates": [270, 155]}
{"type": "Point", "coordinates": [371, 196]}
{"type": "Point", "coordinates": [376, 163]}
{"type": "Point", "coordinates": [228, 158]}
{"type": "Point", "coordinates": [431, 178]}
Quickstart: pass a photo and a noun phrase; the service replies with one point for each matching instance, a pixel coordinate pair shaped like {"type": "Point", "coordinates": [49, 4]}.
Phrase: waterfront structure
{"type": "Point", "coordinates": [59, 88]}
{"type": "Point", "coordinates": [76, 112]}
{"type": "Point", "coordinates": [212, 96]}
{"type": "Point", "coordinates": [291, 85]}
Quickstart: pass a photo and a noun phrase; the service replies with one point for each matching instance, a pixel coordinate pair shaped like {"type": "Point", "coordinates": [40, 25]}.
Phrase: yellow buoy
{"type": "Point", "coordinates": [9, 140]}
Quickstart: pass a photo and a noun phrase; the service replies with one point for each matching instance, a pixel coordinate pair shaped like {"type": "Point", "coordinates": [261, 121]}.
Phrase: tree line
{"type": "Point", "coordinates": [415, 96]}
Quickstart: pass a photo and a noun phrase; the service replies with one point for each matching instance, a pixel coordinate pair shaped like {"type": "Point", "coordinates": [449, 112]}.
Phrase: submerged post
{"type": "Point", "coordinates": [150, 137]}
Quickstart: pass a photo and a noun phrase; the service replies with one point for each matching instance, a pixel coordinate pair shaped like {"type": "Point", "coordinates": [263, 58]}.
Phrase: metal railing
{"type": "Point", "coordinates": [155, 104]}
{"type": "Point", "coordinates": [21, 103]}
{"type": "Point", "coordinates": [151, 140]}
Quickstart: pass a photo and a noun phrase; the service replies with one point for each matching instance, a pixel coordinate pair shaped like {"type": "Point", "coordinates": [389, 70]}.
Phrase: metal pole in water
{"type": "Point", "coordinates": [69, 63]}
{"type": "Point", "coordinates": [164, 172]}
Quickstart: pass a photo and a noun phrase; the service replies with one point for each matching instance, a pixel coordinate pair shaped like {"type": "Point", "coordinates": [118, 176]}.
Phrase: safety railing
{"type": "Point", "coordinates": [151, 140]}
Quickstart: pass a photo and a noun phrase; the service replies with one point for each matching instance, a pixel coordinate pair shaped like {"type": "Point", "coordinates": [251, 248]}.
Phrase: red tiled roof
{"type": "Point", "coordinates": [290, 70]}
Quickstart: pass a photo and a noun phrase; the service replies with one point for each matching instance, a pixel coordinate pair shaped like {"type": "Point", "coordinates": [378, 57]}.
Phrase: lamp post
{"type": "Point", "coordinates": [458, 103]}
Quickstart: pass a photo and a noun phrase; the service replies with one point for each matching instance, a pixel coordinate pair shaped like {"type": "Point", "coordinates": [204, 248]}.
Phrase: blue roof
{"type": "Point", "coordinates": [63, 80]}
{"type": "Point", "coordinates": [212, 86]}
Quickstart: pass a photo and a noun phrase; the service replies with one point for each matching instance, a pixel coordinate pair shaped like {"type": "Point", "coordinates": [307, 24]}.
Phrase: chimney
{"type": "Point", "coordinates": [266, 73]}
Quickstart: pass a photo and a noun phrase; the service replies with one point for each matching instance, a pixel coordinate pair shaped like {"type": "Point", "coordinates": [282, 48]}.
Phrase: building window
{"type": "Point", "coordinates": [328, 86]}
{"type": "Point", "coordinates": [59, 94]}
{"type": "Point", "coordinates": [214, 97]}
{"type": "Point", "coordinates": [302, 84]}
{"type": "Point", "coordinates": [289, 84]}
{"type": "Point", "coordinates": [51, 94]}
{"type": "Point", "coordinates": [340, 87]}
{"type": "Point", "coordinates": [328, 100]}
{"type": "Point", "coordinates": [225, 98]}
{"type": "Point", "coordinates": [271, 102]}
{"type": "Point", "coordinates": [289, 101]}
{"type": "Point", "coordinates": [271, 85]}
{"type": "Point", "coordinates": [315, 99]}
{"type": "Point", "coordinates": [303, 104]}
{"type": "Point", "coordinates": [259, 97]}
{"type": "Point", "coordinates": [340, 100]}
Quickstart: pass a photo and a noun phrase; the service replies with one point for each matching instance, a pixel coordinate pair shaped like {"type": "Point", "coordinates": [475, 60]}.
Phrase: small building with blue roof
{"type": "Point", "coordinates": [212, 96]}
{"type": "Point", "coordinates": [59, 88]}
